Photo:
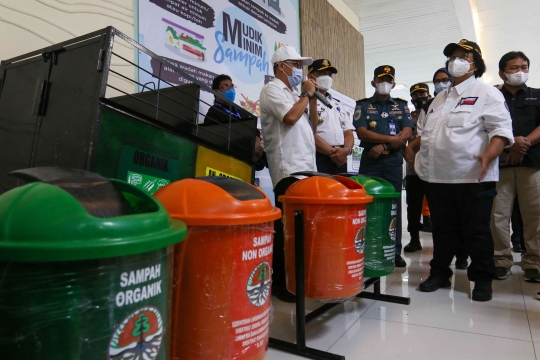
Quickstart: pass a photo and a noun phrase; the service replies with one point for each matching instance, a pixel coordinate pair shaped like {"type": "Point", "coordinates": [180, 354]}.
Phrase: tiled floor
{"type": "Point", "coordinates": [445, 324]}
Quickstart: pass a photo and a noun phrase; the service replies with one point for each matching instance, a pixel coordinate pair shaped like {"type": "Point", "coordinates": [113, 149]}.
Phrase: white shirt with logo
{"type": "Point", "coordinates": [334, 122]}
{"type": "Point", "coordinates": [289, 148]}
{"type": "Point", "coordinates": [458, 126]}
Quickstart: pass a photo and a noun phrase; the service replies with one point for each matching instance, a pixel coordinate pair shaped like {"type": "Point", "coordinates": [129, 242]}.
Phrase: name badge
{"type": "Point", "coordinates": [392, 128]}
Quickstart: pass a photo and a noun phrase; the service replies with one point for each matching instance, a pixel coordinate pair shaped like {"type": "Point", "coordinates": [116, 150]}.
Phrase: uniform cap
{"type": "Point", "coordinates": [384, 70]}
{"type": "Point", "coordinates": [419, 87]}
{"type": "Point", "coordinates": [322, 64]}
{"type": "Point", "coordinates": [464, 44]}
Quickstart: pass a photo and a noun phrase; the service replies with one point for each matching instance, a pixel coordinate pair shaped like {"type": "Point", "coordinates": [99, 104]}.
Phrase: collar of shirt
{"type": "Point", "coordinates": [282, 85]}
{"type": "Point", "coordinates": [374, 99]}
{"type": "Point", "coordinates": [507, 93]}
{"type": "Point", "coordinates": [464, 85]}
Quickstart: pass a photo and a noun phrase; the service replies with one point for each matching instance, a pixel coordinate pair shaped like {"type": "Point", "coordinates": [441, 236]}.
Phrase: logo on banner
{"type": "Point", "coordinates": [241, 46]}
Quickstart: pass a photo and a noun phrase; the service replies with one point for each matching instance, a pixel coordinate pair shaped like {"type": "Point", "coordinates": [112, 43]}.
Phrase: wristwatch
{"type": "Point", "coordinates": [305, 93]}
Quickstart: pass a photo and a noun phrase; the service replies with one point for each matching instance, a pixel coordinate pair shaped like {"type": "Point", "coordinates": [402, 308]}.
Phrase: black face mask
{"type": "Point", "coordinates": [421, 103]}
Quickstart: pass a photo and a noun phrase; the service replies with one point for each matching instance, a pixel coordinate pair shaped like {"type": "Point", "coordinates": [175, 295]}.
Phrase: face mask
{"type": "Point", "coordinates": [441, 86]}
{"type": "Point", "coordinates": [296, 78]}
{"type": "Point", "coordinates": [517, 79]}
{"type": "Point", "coordinates": [420, 103]}
{"type": "Point", "coordinates": [383, 88]}
{"type": "Point", "coordinates": [459, 67]}
{"type": "Point", "coordinates": [325, 82]}
{"type": "Point", "coordinates": [230, 94]}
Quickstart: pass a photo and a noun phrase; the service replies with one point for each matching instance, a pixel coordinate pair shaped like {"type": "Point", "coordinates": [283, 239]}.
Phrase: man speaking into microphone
{"type": "Point", "coordinates": [334, 138]}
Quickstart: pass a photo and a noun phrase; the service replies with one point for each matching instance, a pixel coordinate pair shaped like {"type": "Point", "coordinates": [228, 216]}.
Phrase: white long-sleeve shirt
{"type": "Point", "coordinates": [459, 125]}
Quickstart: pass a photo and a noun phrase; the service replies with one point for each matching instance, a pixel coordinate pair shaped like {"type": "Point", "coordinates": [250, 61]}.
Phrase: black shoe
{"type": "Point", "coordinates": [399, 262]}
{"type": "Point", "coordinates": [462, 264]}
{"type": "Point", "coordinates": [482, 290]}
{"type": "Point", "coordinates": [433, 284]}
{"type": "Point", "coordinates": [501, 273]}
{"type": "Point", "coordinates": [283, 294]}
{"type": "Point", "coordinates": [414, 245]}
{"type": "Point", "coordinates": [426, 224]}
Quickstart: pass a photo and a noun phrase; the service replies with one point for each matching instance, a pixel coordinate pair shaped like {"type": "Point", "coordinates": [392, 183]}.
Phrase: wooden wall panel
{"type": "Point", "coordinates": [327, 34]}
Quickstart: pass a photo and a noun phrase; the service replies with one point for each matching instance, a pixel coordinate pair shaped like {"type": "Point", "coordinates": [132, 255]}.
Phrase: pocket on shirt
{"type": "Point", "coordinates": [458, 116]}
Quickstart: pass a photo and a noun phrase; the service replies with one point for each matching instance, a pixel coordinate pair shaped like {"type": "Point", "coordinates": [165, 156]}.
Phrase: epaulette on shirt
{"type": "Point", "coordinates": [405, 101]}
{"type": "Point", "coordinates": [364, 99]}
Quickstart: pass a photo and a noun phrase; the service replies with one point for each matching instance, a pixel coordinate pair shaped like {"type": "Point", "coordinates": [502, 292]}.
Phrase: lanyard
{"type": "Point", "coordinates": [234, 113]}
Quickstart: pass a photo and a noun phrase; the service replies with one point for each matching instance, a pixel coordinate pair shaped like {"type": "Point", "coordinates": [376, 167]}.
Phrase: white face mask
{"type": "Point", "coordinates": [459, 67]}
{"type": "Point", "coordinates": [325, 82]}
{"type": "Point", "coordinates": [517, 79]}
{"type": "Point", "coordinates": [383, 88]}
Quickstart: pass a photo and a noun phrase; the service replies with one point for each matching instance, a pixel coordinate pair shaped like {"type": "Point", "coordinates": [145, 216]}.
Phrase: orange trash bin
{"type": "Point", "coordinates": [334, 235]}
{"type": "Point", "coordinates": [222, 274]}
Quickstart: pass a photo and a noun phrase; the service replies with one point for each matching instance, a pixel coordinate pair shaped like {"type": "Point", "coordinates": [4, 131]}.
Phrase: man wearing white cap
{"type": "Point", "coordinates": [288, 138]}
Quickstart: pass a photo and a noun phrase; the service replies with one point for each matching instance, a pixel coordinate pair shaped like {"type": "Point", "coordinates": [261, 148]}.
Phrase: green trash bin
{"type": "Point", "coordinates": [85, 269]}
{"type": "Point", "coordinates": [379, 251]}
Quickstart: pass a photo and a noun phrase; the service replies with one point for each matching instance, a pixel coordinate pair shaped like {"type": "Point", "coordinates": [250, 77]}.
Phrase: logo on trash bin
{"type": "Point", "coordinates": [392, 229]}
{"type": "Point", "coordinates": [138, 336]}
{"type": "Point", "coordinates": [360, 240]}
{"type": "Point", "coordinates": [258, 286]}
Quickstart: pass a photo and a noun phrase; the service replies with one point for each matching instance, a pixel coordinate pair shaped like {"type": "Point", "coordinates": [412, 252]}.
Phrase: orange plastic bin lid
{"type": "Point", "coordinates": [325, 190]}
{"type": "Point", "coordinates": [216, 201]}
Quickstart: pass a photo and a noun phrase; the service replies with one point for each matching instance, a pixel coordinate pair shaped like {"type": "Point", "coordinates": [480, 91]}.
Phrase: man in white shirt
{"type": "Point", "coordinates": [334, 138]}
{"type": "Point", "coordinates": [466, 128]}
{"type": "Point", "coordinates": [288, 139]}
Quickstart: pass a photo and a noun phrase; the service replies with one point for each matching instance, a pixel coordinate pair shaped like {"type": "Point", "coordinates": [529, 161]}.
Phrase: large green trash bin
{"type": "Point", "coordinates": [379, 253]}
{"type": "Point", "coordinates": [85, 270]}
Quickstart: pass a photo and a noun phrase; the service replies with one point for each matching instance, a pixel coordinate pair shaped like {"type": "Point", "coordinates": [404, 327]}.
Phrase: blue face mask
{"type": "Point", "coordinates": [296, 78]}
{"type": "Point", "coordinates": [441, 86]}
{"type": "Point", "coordinates": [230, 95]}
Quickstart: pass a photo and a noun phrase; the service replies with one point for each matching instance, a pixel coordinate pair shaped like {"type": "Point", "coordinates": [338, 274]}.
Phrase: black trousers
{"type": "Point", "coordinates": [327, 166]}
{"type": "Point", "coordinates": [278, 255]}
{"type": "Point", "coordinates": [416, 189]}
{"type": "Point", "coordinates": [462, 211]}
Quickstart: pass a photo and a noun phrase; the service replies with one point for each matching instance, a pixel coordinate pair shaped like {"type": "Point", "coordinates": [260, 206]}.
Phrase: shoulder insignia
{"type": "Point", "coordinates": [401, 99]}
{"type": "Point", "coordinates": [357, 113]}
{"type": "Point", "coordinates": [364, 99]}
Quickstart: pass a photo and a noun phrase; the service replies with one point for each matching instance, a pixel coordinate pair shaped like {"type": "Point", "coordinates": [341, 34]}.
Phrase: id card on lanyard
{"type": "Point", "coordinates": [392, 126]}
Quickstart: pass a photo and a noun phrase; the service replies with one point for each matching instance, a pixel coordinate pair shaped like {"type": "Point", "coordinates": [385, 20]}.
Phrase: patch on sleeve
{"type": "Point", "coordinates": [357, 113]}
{"type": "Point", "coordinates": [467, 101]}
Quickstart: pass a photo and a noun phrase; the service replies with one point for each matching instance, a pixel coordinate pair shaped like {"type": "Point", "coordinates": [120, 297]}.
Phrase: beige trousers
{"type": "Point", "coordinates": [525, 183]}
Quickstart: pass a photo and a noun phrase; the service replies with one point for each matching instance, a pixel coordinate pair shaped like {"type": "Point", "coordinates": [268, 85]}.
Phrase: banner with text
{"type": "Point", "coordinates": [212, 37]}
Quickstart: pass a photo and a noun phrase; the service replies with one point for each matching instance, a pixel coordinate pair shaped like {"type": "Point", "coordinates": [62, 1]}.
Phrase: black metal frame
{"type": "Point", "coordinates": [299, 348]}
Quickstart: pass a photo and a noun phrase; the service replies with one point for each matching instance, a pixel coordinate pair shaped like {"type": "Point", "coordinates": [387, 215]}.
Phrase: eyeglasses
{"type": "Point", "coordinates": [444, 80]}
{"type": "Point", "coordinates": [463, 56]}
{"type": "Point", "coordinates": [294, 64]}
{"type": "Point", "coordinates": [227, 87]}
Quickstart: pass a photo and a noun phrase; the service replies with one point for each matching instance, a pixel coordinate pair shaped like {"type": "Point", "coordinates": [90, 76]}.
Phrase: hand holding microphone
{"type": "Point", "coordinates": [310, 86]}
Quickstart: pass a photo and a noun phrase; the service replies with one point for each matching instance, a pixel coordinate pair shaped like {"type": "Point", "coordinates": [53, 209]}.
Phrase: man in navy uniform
{"type": "Point", "coordinates": [383, 125]}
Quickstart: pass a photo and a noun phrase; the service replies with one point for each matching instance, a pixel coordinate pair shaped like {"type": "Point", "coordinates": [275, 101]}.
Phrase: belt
{"type": "Point", "coordinates": [338, 146]}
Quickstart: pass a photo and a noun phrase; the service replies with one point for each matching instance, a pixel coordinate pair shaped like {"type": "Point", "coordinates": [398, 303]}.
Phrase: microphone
{"type": "Point", "coordinates": [322, 99]}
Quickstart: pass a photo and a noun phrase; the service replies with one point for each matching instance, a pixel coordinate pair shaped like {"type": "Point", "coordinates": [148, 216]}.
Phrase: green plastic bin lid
{"type": "Point", "coordinates": [377, 187]}
{"type": "Point", "coordinates": [61, 222]}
